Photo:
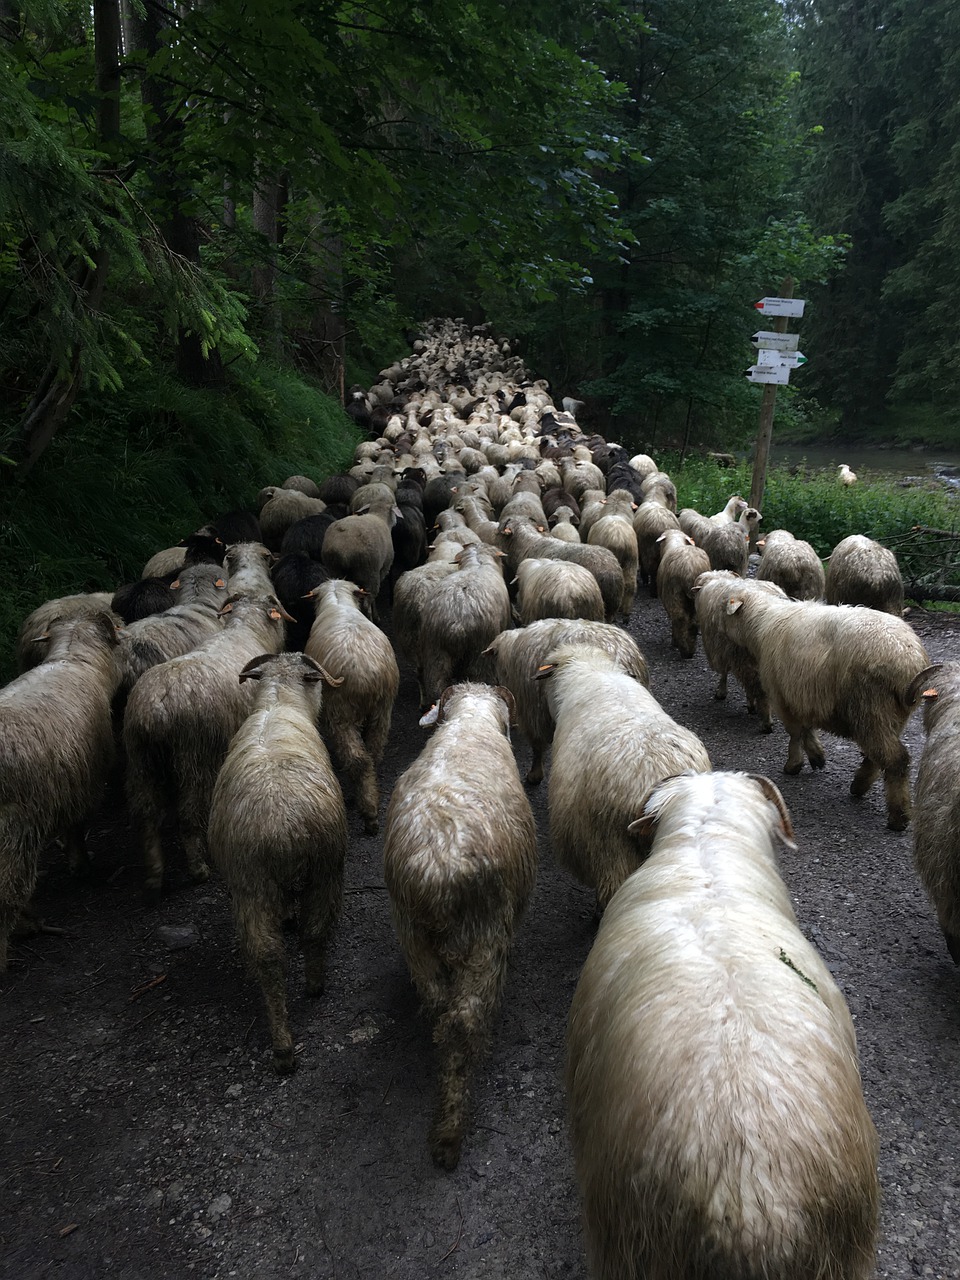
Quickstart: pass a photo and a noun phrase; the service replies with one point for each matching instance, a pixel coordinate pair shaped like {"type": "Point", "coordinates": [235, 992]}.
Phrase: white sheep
{"type": "Point", "coordinates": [861, 571]}
{"type": "Point", "coordinates": [462, 615]}
{"type": "Point", "coordinates": [33, 642]}
{"type": "Point", "coordinates": [715, 1107]}
{"type": "Point", "coordinates": [278, 832]}
{"type": "Point", "coordinates": [520, 538]}
{"type": "Point", "coordinates": [518, 655]}
{"type": "Point", "coordinates": [360, 547]}
{"type": "Point", "coordinates": [56, 752]}
{"type": "Point", "coordinates": [194, 619]}
{"type": "Point", "coordinates": [556, 589]}
{"type": "Point", "coordinates": [712, 592]}
{"type": "Point", "coordinates": [613, 742]}
{"type": "Point", "coordinates": [460, 851]}
{"type": "Point", "coordinates": [845, 475]}
{"type": "Point", "coordinates": [792, 564]}
{"type": "Point", "coordinates": [614, 530]}
{"type": "Point", "coordinates": [652, 518]}
{"type": "Point", "coordinates": [179, 720]}
{"type": "Point", "coordinates": [936, 836]}
{"type": "Point", "coordinates": [855, 672]}
{"type": "Point", "coordinates": [357, 712]}
{"type": "Point", "coordinates": [681, 563]}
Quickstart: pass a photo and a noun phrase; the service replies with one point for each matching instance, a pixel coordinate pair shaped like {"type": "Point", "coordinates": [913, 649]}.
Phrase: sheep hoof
{"type": "Point", "coordinates": [953, 946]}
{"type": "Point", "coordinates": [898, 820]}
{"type": "Point", "coordinates": [200, 874]}
{"type": "Point", "coordinates": [817, 761]}
{"type": "Point", "coordinates": [532, 780]}
{"type": "Point", "coordinates": [370, 826]}
{"type": "Point", "coordinates": [314, 989]}
{"type": "Point", "coordinates": [446, 1152]}
{"type": "Point", "coordinates": [792, 769]}
{"type": "Point", "coordinates": [767, 727]}
{"type": "Point", "coordinates": [284, 1061]}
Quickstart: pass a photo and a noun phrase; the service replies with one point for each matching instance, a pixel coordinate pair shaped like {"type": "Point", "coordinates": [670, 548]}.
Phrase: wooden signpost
{"type": "Point", "coordinates": [777, 354]}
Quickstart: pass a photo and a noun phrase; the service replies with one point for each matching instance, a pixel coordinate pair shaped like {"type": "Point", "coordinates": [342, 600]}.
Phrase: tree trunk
{"type": "Point", "coordinates": [329, 323]}
{"type": "Point", "coordinates": [180, 230]}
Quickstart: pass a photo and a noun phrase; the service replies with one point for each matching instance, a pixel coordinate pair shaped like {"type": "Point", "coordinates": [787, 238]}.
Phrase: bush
{"type": "Point", "coordinates": [138, 471]}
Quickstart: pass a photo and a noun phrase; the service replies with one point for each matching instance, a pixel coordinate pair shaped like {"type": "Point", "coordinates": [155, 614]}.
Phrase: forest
{"type": "Point", "coordinates": [217, 216]}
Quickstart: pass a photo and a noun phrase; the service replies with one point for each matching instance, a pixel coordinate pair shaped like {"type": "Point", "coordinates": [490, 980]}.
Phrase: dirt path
{"type": "Point", "coordinates": [146, 1136]}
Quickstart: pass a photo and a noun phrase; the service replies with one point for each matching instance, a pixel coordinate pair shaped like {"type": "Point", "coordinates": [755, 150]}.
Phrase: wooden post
{"type": "Point", "coordinates": [765, 430]}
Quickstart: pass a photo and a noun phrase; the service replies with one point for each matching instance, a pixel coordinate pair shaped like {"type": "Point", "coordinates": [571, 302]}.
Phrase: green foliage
{"type": "Point", "coordinates": [816, 508]}
{"type": "Point", "coordinates": [139, 471]}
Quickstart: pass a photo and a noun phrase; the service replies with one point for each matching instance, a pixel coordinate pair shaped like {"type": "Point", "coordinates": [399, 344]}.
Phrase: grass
{"type": "Point", "coordinates": [822, 512]}
{"type": "Point", "coordinates": [136, 472]}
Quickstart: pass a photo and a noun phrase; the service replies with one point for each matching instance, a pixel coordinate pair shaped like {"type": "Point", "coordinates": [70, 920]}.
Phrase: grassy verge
{"type": "Point", "coordinates": [137, 472]}
{"type": "Point", "coordinates": [821, 511]}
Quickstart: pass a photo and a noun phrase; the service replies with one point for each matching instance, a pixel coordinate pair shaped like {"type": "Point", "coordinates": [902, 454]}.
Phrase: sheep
{"type": "Point", "coordinates": [936, 837]}
{"type": "Point", "coordinates": [356, 713]}
{"type": "Point", "coordinates": [725, 536]}
{"type": "Point", "coordinates": [203, 547]}
{"type": "Point", "coordinates": [556, 589]}
{"type": "Point", "coordinates": [56, 752]}
{"type": "Point", "coordinates": [658, 482]}
{"type": "Point", "coordinates": [248, 567]}
{"type": "Point", "coordinates": [194, 618]}
{"type": "Point", "coordinates": [179, 720]}
{"type": "Point", "coordinates": [712, 591]}
{"type": "Point", "coordinates": [852, 671]}
{"type": "Point", "coordinates": [614, 530]}
{"type": "Point", "coordinates": [792, 564]}
{"type": "Point", "coordinates": [280, 509]}
{"type": "Point", "coordinates": [293, 576]}
{"type": "Point", "coordinates": [563, 524]}
{"type": "Point", "coordinates": [278, 832]}
{"type": "Point", "coordinates": [845, 476]}
{"type": "Point", "coordinates": [302, 484]}
{"type": "Point", "coordinates": [714, 1101]}
{"type": "Point", "coordinates": [521, 538]}
{"type": "Point", "coordinates": [861, 571]}
{"type": "Point", "coordinates": [681, 563]}
{"type": "Point", "coordinates": [33, 642]}
{"type": "Point", "coordinates": [464, 612]}
{"type": "Point", "coordinates": [517, 656]}
{"type": "Point", "coordinates": [360, 547]}
{"type": "Point", "coordinates": [460, 856]}
{"type": "Point", "coordinates": [652, 518]}
{"type": "Point", "coordinates": [613, 742]}
{"type": "Point", "coordinates": [411, 597]}
{"type": "Point", "coordinates": [135, 600]}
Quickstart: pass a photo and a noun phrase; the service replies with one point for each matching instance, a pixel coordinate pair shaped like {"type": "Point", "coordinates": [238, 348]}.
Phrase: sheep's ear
{"type": "Point", "coordinates": [40, 639]}
{"type": "Point", "coordinates": [914, 693]}
{"type": "Point", "coordinates": [175, 585]}
{"type": "Point", "coordinates": [734, 603]}
{"type": "Point", "coordinates": [226, 608]}
{"type": "Point", "coordinates": [221, 584]}
{"type": "Point", "coordinates": [429, 718]}
{"type": "Point", "coordinates": [662, 536]}
{"type": "Point", "coordinates": [544, 672]}
{"type": "Point", "coordinates": [784, 828]}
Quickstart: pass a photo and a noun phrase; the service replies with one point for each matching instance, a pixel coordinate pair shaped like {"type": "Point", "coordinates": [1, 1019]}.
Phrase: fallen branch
{"type": "Point", "coordinates": [147, 986]}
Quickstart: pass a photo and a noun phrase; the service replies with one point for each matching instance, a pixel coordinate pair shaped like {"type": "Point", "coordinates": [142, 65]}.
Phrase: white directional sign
{"type": "Point", "coordinates": [780, 306]}
{"type": "Point", "coordinates": [778, 374]}
{"type": "Point", "coordinates": [767, 340]}
{"type": "Point", "coordinates": [771, 359]}
{"type": "Point", "coordinates": [793, 359]}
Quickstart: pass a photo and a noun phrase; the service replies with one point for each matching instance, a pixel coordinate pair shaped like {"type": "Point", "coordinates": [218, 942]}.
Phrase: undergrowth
{"type": "Point", "coordinates": [134, 473]}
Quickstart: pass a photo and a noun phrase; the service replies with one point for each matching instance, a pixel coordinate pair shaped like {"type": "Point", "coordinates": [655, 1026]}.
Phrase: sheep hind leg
{"type": "Point", "coordinates": [261, 943]}
{"type": "Point", "coordinates": [461, 1036]}
{"type": "Point", "coordinates": [896, 785]}
{"type": "Point", "coordinates": [319, 909]}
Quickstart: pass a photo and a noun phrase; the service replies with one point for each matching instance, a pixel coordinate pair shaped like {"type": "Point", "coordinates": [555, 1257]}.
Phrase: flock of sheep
{"type": "Point", "coordinates": [507, 543]}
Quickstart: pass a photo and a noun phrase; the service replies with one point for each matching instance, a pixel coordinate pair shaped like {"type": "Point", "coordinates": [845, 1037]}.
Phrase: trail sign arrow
{"type": "Point", "coordinates": [793, 359]}
{"type": "Point", "coordinates": [780, 306]}
{"type": "Point", "coordinates": [767, 340]}
{"type": "Point", "coordinates": [778, 375]}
